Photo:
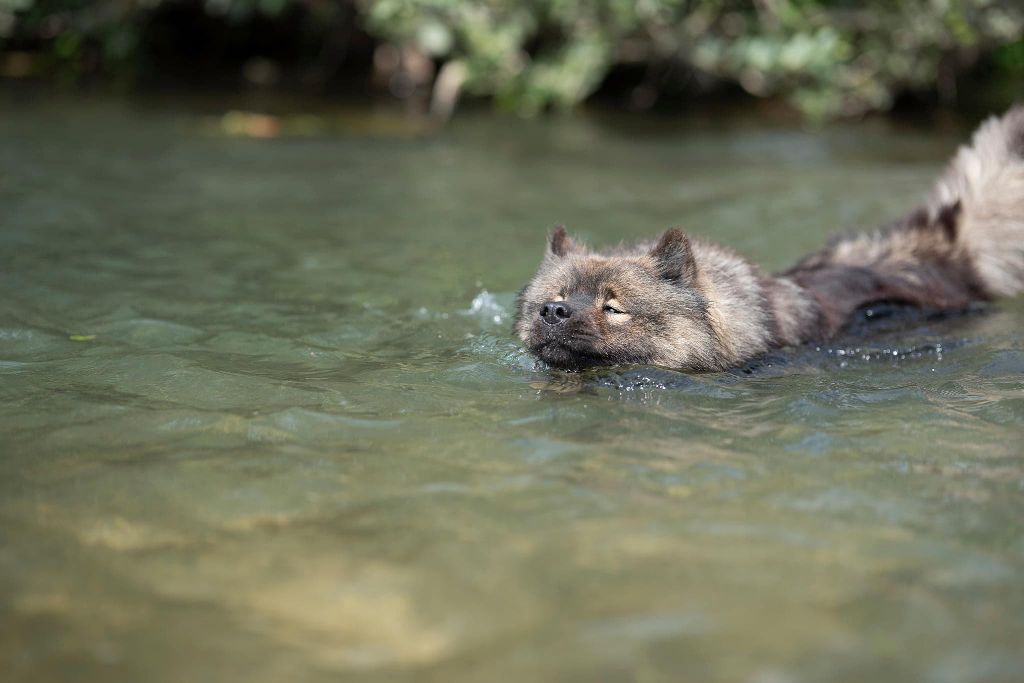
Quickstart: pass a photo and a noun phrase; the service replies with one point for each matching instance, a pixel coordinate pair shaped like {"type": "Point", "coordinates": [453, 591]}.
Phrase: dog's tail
{"type": "Point", "coordinates": [986, 180]}
{"type": "Point", "coordinates": [965, 244]}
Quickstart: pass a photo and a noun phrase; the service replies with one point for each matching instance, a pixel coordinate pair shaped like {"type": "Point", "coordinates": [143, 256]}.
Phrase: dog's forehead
{"type": "Point", "coordinates": [595, 274]}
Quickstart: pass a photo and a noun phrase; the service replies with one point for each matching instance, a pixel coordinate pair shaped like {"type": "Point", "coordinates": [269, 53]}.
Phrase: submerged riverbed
{"type": "Point", "coordinates": [262, 416]}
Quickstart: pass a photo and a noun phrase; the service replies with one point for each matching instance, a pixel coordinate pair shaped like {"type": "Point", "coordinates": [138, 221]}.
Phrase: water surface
{"type": "Point", "coordinates": [262, 417]}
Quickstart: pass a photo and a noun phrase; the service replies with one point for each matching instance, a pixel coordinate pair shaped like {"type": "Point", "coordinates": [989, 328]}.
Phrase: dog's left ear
{"type": "Point", "coordinates": [673, 257]}
{"type": "Point", "coordinates": [560, 243]}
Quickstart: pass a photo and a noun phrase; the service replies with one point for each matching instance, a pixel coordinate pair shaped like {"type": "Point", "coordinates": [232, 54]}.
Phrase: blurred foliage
{"type": "Point", "coordinates": [826, 57]}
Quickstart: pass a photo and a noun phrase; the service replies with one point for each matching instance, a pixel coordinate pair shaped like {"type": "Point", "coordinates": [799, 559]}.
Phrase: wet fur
{"type": "Point", "coordinates": [694, 305]}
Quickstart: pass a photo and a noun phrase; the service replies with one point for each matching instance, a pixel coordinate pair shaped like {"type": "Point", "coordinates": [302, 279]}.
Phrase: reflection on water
{"type": "Point", "coordinates": [262, 416]}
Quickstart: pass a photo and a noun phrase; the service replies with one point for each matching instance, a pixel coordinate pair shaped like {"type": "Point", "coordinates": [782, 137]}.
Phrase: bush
{"type": "Point", "coordinates": [828, 58]}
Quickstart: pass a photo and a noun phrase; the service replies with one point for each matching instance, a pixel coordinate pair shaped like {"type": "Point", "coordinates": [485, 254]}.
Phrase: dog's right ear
{"type": "Point", "coordinates": [560, 244]}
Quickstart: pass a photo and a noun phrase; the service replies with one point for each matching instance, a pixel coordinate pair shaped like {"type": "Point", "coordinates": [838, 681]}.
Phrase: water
{"type": "Point", "coordinates": [262, 417]}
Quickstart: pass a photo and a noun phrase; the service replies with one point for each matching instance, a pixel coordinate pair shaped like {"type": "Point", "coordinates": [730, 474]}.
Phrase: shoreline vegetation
{"type": "Point", "coordinates": [825, 59]}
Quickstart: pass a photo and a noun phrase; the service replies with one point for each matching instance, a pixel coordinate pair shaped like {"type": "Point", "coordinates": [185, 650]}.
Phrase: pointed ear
{"type": "Point", "coordinates": [673, 257]}
{"type": "Point", "coordinates": [560, 243]}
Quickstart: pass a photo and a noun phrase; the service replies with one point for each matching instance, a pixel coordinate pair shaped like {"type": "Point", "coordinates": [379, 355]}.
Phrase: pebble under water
{"type": "Point", "coordinates": [262, 416]}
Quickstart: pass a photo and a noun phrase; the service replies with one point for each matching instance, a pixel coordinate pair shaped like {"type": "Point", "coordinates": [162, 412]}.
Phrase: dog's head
{"type": "Point", "coordinates": [640, 306]}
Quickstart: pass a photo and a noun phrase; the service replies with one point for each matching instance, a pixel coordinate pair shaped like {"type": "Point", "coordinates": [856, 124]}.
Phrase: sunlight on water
{"type": "Point", "coordinates": [262, 416]}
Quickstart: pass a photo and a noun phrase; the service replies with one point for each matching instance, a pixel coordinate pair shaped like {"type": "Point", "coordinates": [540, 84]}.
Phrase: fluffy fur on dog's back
{"type": "Point", "coordinates": [694, 305]}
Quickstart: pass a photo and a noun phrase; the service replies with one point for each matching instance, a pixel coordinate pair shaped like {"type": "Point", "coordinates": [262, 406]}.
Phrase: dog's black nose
{"type": "Point", "coordinates": [554, 312]}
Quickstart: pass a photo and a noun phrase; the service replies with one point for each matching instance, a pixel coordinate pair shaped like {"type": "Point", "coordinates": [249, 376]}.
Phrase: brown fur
{"type": "Point", "coordinates": [917, 261]}
{"type": "Point", "coordinates": [693, 305]}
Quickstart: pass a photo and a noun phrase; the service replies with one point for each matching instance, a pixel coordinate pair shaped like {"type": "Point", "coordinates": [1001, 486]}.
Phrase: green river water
{"type": "Point", "coordinates": [262, 417]}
